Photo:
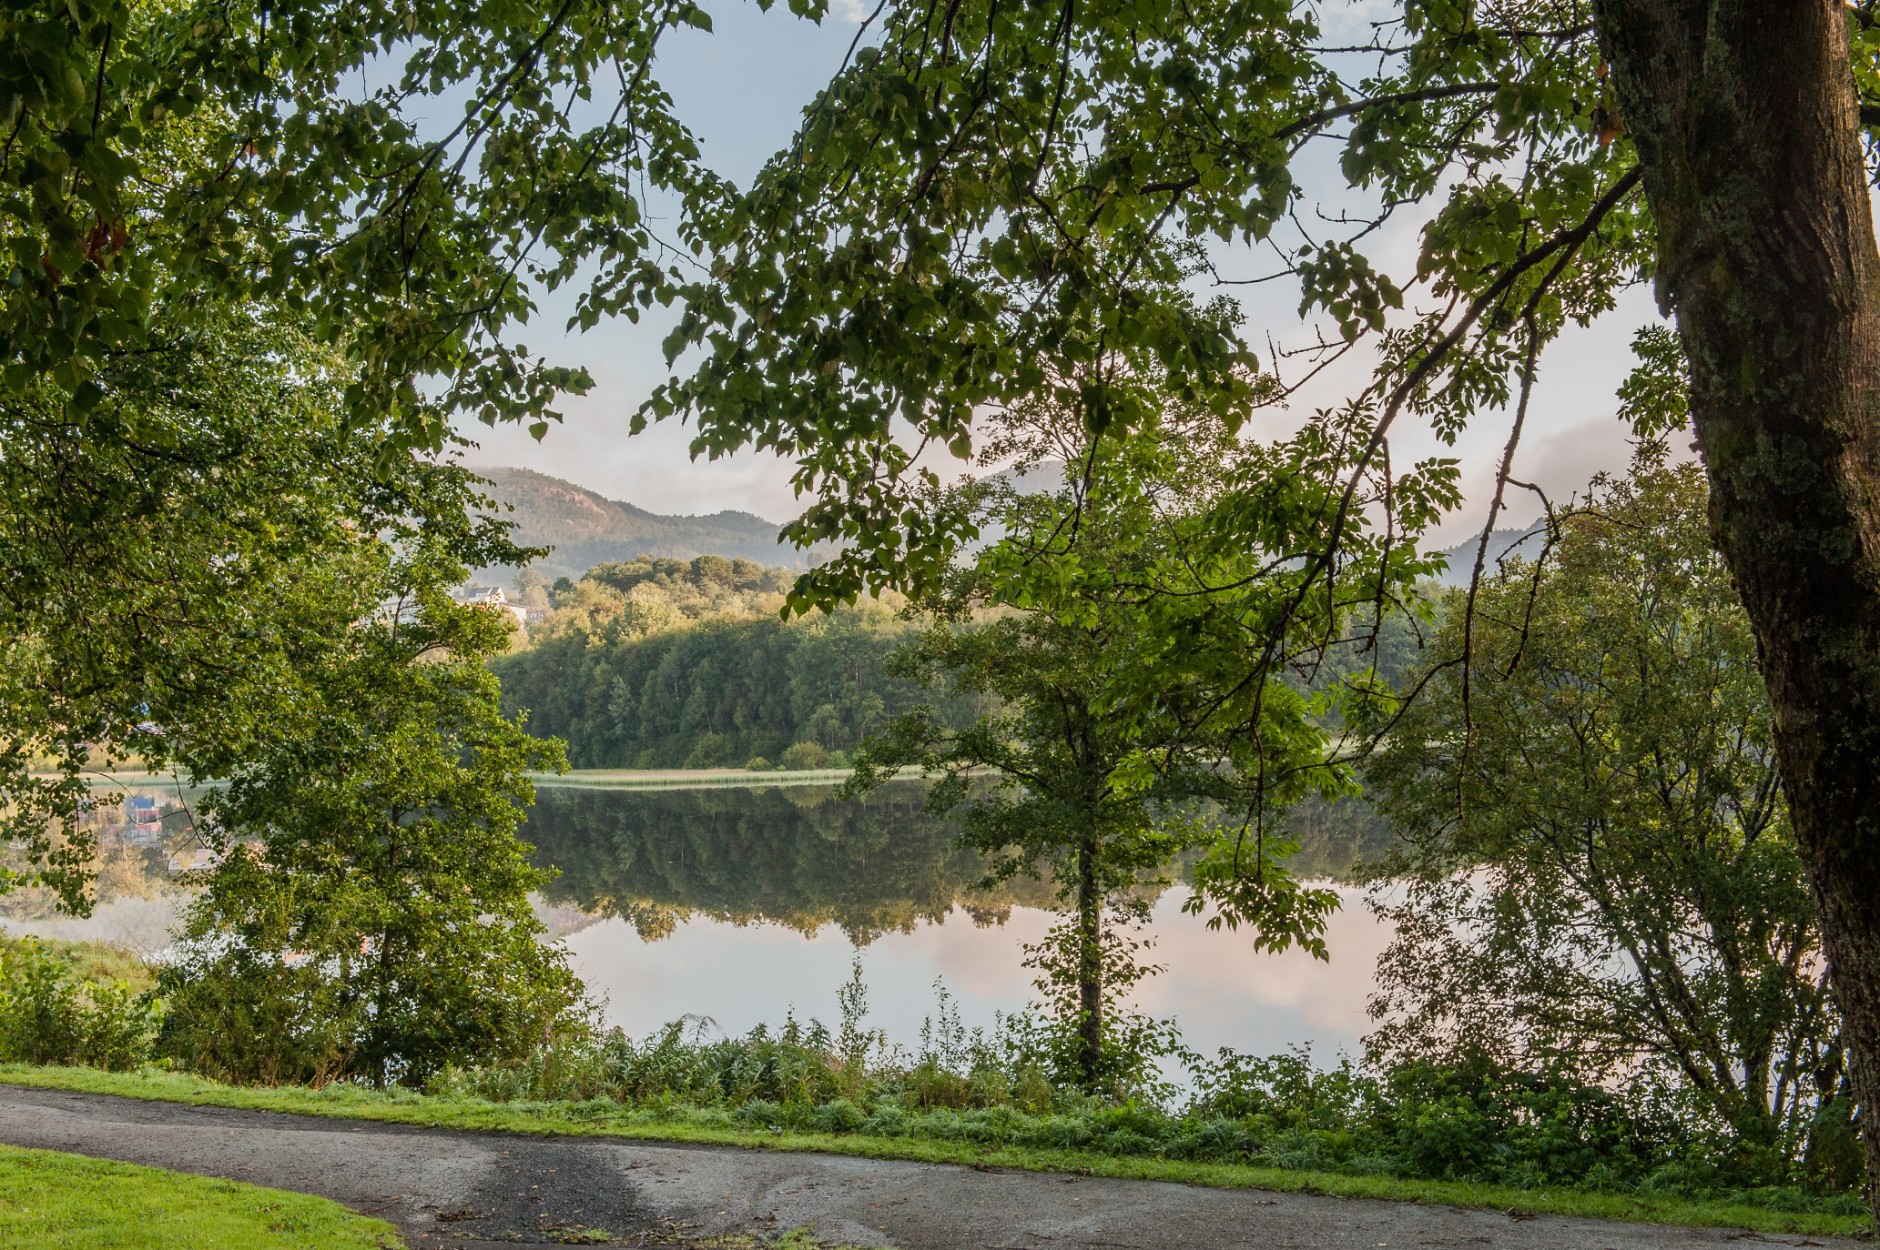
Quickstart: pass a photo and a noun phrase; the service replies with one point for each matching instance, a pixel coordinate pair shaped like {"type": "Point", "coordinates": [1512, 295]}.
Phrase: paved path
{"type": "Point", "coordinates": [445, 1188]}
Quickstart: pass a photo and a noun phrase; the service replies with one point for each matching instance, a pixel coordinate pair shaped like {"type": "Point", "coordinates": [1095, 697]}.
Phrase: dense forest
{"type": "Point", "coordinates": [664, 663]}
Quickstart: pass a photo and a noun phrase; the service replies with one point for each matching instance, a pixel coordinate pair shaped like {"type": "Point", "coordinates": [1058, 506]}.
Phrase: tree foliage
{"type": "Point", "coordinates": [370, 915]}
{"type": "Point", "coordinates": [403, 178]}
{"type": "Point", "coordinates": [1603, 879]}
{"type": "Point", "coordinates": [173, 552]}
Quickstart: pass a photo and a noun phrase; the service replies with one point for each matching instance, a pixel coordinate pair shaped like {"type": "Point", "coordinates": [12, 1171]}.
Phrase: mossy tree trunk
{"type": "Point", "coordinates": [1747, 124]}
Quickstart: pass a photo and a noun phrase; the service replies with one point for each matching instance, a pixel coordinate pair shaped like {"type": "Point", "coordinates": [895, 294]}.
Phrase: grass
{"type": "Point", "coordinates": [606, 1119]}
{"type": "Point", "coordinates": [94, 961]}
{"type": "Point", "coordinates": [51, 1201]}
{"type": "Point", "coordinates": [687, 778]}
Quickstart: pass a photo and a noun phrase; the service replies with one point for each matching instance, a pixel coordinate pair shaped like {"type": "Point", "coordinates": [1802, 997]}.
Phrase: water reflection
{"type": "Point", "coordinates": [792, 856]}
{"type": "Point", "coordinates": [735, 903]}
{"type": "Point", "coordinates": [710, 902]}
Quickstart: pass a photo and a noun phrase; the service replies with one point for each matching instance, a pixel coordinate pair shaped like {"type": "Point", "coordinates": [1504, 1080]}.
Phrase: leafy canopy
{"type": "Point", "coordinates": [404, 178]}
{"type": "Point", "coordinates": [990, 202]}
{"type": "Point", "coordinates": [176, 551]}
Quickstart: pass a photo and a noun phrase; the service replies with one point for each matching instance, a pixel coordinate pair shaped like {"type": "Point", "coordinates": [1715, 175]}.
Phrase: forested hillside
{"type": "Point", "coordinates": [585, 529]}
{"type": "Point", "coordinates": [677, 664]}
{"type": "Point", "coordinates": [1523, 541]}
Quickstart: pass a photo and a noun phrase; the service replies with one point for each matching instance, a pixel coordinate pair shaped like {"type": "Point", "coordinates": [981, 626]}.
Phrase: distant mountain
{"type": "Point", "coordinates": [586, 529]}
{"type": "Point", "coordinates": [1521, 542]}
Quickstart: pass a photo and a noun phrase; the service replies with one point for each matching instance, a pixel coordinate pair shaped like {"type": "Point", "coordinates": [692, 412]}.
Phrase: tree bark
{"type": "Point", "coordinates": [1745, 117]}
{"type": "Point", "coordinates": [1089, 966]}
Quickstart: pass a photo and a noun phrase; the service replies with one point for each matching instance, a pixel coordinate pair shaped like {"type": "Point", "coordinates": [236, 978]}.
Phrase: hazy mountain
{"type": "Point", "coordinates": [1521, 542]}
{"type": "Point", "coordinates": [586, 529]}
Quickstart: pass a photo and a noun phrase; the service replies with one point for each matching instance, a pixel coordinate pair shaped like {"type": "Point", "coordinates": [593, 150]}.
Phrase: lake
{"type": "Point", "coordinates": [738, 903]}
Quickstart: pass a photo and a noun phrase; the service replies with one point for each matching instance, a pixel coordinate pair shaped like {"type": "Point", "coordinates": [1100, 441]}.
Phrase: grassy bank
{"type": "Point", "coordinates": [51, 1201]}
{"type": "Point", "coordinates": [688, 778]}
{"type": "Point", "coordinates": [677, 1123]}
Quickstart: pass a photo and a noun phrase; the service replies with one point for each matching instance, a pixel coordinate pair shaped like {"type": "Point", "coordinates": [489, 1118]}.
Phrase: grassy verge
{"type": "Point", "coordinates": [93, 961]}
{"type": "Point", "coordinates": [52, 1201]}
{"type": "Point", "coordinates": [606, 1119]}
{"type": "Point", "coordinates": [687, 778]}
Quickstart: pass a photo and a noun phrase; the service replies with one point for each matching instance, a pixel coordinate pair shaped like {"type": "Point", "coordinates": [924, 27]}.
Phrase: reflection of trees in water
{"type": "Point", "coordinates": [1336, 837]}
{"type": "Point", "coordinates": [794, 856]}
{"type": "Point", "coordinates": [799, 857]}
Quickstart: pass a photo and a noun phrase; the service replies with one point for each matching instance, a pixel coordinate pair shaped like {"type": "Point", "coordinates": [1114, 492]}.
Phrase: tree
{"type": "Point", "coordinates": [369, 916]}
{"type": "Point", "coordinates": [168, 553]}
{"type": "Point", "coordinates": [1748, 128]}
{"type": "Point", "coordinates": [959, 220]}
{"type": "Point", "coordinates": [1603, 877]}
{"type": "Point", "coordinates": [219, 219]}
{"type": "Point", "coordinates": [1103, 791]}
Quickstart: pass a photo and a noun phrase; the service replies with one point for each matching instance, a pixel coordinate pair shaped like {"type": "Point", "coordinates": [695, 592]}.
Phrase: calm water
{"type": "Point", "coordinates": [740, 904]}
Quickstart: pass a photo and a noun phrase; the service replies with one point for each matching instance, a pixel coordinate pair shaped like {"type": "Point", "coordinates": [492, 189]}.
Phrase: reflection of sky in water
{"type": "Point", "coordinates": [1222, 991]}
{"type": "Point", "coordinates": [874, 868]}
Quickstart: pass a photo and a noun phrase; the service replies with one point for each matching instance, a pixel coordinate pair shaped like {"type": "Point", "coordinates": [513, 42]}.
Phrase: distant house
{"type": "Point", "coordinates": [496, 598]}
{"type": "Point", "coordinates": [143, 819]}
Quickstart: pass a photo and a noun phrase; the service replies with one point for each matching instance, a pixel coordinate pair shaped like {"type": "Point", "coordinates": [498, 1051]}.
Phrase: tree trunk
{"type": "Point", "coordinates": [1746, 121]}
{"type": "Point", "coordinates": [1089, 966]}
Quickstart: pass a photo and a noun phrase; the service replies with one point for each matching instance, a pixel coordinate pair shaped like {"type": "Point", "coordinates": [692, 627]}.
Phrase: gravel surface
{"type": "Point", "coordinates": [448, 1188]}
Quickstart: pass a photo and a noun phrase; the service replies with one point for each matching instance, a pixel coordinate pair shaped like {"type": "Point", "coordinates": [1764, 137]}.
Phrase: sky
{"type": "Point", "coordinates": [742, 89]}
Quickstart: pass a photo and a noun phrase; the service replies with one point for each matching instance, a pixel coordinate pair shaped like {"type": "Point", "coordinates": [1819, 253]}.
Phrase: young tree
{"type": "Point", "coordinates": [1601, 868]}
{"type": "Point", "coordinates": [1102, 783]}
{"type": "Point", "coordinates": [370, 914]}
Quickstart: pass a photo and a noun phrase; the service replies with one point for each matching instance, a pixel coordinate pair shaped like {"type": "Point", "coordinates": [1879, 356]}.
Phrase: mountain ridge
{"type": "Point", "coordinates": [586, 528]}
{"type": "Point", "coordinates": [1522, 541]}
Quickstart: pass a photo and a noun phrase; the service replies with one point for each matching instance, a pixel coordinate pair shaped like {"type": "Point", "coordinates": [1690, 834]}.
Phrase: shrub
{"type": "Point", "coordinates": [49, 1014]}
{"type": "Point", "coordinates": [805, 755]}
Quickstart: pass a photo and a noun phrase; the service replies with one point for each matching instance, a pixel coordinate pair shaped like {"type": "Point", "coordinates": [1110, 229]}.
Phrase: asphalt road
{"type": "Point", "coordinates": [445, 1188]}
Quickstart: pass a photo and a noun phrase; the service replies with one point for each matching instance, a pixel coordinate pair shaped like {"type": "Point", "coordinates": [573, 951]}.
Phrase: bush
{"type": "Point", "coordinates": [1470, 1121]}
{"type": "Point", "coordinates": [51, 1015]}
{"type": "Point", "coordinates": [804, 755]}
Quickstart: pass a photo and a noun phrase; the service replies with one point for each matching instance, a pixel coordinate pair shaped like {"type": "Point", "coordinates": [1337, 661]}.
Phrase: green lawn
{"type": "Point", "coordinates": [52, 1201]}
{"type": "Point", "coordinates": [603, 1119]}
